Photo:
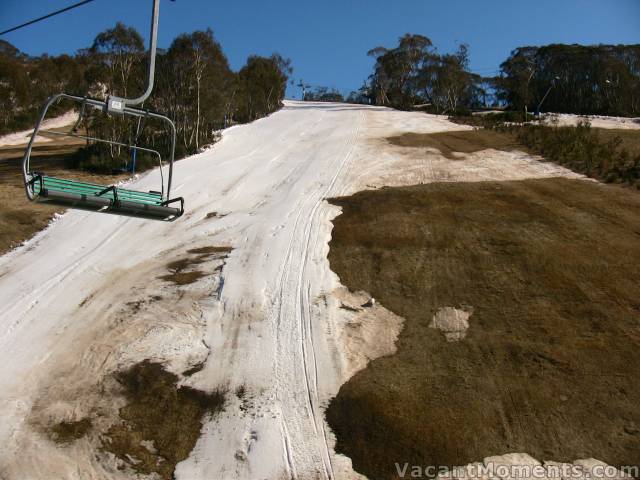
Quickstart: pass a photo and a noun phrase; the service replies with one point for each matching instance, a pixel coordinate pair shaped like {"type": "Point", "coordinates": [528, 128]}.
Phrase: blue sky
{"type": "Point", "coordinates": [327, 41]}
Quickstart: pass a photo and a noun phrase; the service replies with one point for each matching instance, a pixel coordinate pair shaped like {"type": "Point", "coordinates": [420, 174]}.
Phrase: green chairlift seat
{"type": "Point", "coordinates": [111, 199]}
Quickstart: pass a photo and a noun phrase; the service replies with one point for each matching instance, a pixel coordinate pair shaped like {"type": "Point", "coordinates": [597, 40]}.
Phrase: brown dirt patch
{"type": "Point", "coordinates": [210, 250]}
{"type": "Point", "coordinates": [467, 141]}
{"type": "Point", "coordinates": [215, 215]}
{"type": "Point", "coordinates": [195, 369]}
{"type": "Point", "coordinates": [182, 272]}
{"type": "Point", "coordinates": [549, 364]}
{"type": "Point", "coordinates": [184, 278]}
{"type": "Point", "coordinates": [161, 422]}
{"type": "Point", "coordinates": [67, 432]}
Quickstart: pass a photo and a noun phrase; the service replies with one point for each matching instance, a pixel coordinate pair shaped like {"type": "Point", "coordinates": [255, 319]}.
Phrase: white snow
{"type": "Point", "coordinates": [270, 321]}
{"type": "Point", "coordinates": [22, 138]}
{"type": "Point", "coordinates": [452, 322]}
{"type": "Point", "coordinates": [598, 121]}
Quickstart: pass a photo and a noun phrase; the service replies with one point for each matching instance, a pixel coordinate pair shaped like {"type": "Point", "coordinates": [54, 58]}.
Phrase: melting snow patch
{"type": "Point", "coordinates": [452, 322]}
{"type": "Point", "coordinates": [23, 137]}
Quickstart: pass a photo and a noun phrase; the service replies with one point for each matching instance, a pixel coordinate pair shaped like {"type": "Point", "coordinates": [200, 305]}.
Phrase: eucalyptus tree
{"type": "Point", "coordinates": [397, 71]}
{"type": "Point", "coordinates": [515, 82]}
{"type": "Point", "coordinates": [114, 67]}
{"type": "Point", "coordinates": [198, 80]}
{"type": "Point", "coordinates": [115, 53]}
{"type": "Point", "coordinates": [448, 83]}
{"type": "Point", "coordinates": [14, 88]}
{"type": "Point", "coordinates": [262, 85]}
{"type": "Point", "coordinates": [414, 73]}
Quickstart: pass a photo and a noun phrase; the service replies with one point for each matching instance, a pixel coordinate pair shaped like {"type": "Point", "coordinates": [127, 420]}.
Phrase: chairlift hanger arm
{"type": "Point", "coordinates": [117, 104]}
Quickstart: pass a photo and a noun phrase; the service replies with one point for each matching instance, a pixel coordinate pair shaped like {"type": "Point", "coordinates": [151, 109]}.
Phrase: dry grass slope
{"type": "Point", "coordinates": [549, 365]}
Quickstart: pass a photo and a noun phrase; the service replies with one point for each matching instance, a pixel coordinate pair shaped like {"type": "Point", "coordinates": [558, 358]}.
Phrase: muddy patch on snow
{"type": "Point", "coordinates": [68, 431]}
{"type": "Point", "coordinates": [184, 271]}
{"type": "Point", "coordinates": [215, 215]}
{"type": "Point", "coordinates": [161, 421]}
{"type": "Point", "coordinates": [110, 400]}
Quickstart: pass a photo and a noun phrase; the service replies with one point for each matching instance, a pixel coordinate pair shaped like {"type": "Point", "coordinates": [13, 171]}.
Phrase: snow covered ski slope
{"type": "Point", "coordinates": [86, 298]}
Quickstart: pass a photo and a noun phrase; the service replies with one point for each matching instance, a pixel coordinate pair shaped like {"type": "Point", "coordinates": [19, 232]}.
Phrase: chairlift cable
{"type": "Point", "coordinates": [44, 17]}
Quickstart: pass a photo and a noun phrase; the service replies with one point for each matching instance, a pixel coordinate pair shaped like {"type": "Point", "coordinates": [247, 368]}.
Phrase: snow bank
{"type": "Point", "coordinates": [569, 120]}
{"type": "Point", "coordinates": [22, 138]}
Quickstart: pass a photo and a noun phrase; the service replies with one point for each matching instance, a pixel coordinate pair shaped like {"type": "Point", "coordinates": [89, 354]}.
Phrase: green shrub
{"type": "Point", "coordinates": [581, 149]}
{"type": "Point", "coordinates": [99, 159]}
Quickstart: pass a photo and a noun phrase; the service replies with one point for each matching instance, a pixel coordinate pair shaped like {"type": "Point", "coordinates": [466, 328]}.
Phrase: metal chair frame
{"type": "Point", "coordinates": [111, 105]}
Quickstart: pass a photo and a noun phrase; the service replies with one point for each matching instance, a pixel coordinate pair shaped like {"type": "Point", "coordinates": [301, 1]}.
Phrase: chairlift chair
{"type": "Point", "coordinates": [156, 205]}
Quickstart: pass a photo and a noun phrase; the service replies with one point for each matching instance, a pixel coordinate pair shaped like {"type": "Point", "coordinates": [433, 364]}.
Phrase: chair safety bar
{"type": "Point", "coordinates": [111, 142]}
{"type": "Point", "coordinates": [118, 104]}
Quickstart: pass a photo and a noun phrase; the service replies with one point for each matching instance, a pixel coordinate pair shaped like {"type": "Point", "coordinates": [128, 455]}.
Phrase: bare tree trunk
{"type": "Point", "coordinates": [269, 100]}
{"type": "Point", "coordinates": [198, 77]}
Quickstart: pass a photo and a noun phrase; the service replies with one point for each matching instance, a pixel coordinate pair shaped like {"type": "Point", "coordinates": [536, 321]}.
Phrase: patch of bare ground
{"type": "Point", "coordinates": [210, 250]}
{"type": "Point", "coordinates": [215, 215]}
{"type": "Point", "coordinates": [466, 141]}
{"type": "Point", "coordinates": [161, 422]}
{"type": "Point", "coordinates": [20, 219]}
{"type": "Point", "coordinates": [548, 364]}
{"type": "Point", "coordinates": [67, 432]}
{"type": "Point", "coordinates": [195, 369]}
{"type": "Point", "coordinates": [182, 270]}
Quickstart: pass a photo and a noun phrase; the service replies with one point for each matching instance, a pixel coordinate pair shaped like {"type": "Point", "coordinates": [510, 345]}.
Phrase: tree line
{"type": "Point", "coordinates": [322, 94]}
{"type": "Point", "coordinates": [195, 87]}
{"type": "Point", "coordinates": [600, 79]}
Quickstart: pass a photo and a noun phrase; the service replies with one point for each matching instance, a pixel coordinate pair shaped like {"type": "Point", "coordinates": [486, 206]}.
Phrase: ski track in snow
{"type": "Point", "coordinates": [295, 266]}
{"type": "Point", "coordinates": [276, 329]}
